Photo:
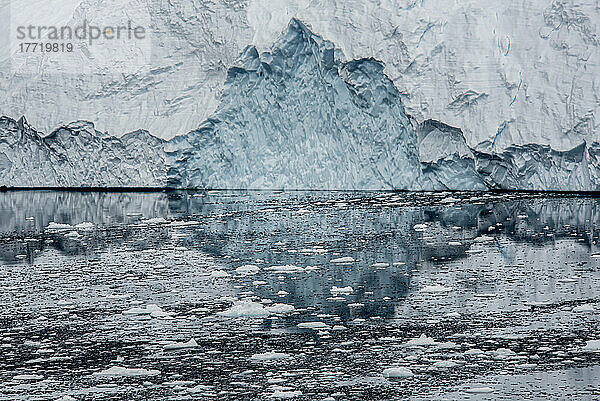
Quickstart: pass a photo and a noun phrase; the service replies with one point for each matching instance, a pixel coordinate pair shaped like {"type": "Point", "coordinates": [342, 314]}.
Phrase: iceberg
{"type": "Point", "coordinates": [298, 117]}
{"type": "Point", "coordinates": [295, 117]}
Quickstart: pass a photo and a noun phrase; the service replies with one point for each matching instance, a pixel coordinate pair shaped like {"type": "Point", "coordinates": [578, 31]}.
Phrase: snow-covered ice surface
{"type": "Point", "coordinates": [438, 296]}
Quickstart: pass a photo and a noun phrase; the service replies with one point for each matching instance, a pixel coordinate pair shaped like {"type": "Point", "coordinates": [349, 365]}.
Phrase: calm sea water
{"type": "Point", "coordinates": [301, 295]}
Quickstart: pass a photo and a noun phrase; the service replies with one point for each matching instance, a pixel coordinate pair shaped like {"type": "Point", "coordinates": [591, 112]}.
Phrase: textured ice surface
{"type": "Point", "coordinates": [296, 117]}
{"type": "Point", "coordinates": [78, 155]}
{"type": "Point", "coordinates": [526, 72]}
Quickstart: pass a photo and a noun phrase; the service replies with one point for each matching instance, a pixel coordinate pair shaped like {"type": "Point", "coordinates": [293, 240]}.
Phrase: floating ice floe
{"type": "Point", "coordinates": [479, 390]}
{"type": "Point", "coordinates": [380, 265]}
{"type": "Point", "coordinates": [248, 270]}
{"type": "Point", "coordinates": [435, 289]}
{"type": "Point", "coordinates": [345, 259]}
{"type": "Point", "coordinates": [584, 308]}
{"type": "Point", "coordinates": [278, 309]}
{"type": "Point", "coordinates": [151, 309]}
{"type": "Point", "coordinates": [473, 351]}
{"type": "Point", "coordinates": [341, 290]}
{"type": "Point", "coordinates": [219, 274]}
{"type": "Point", "coordinates": [254, 309]}
{"type": "Point", "coordinates": [397, 373]}
{"type": "Point", "coordinates": [445, 364]}
{"type": "Point", "coordinates": [28, 377]}
{"type": "Point", "coordinates": [421, 341]}
{"type": "Point", "coordinates": [155, 220]}
{"type": "Point", "coordinates": [175, 346]}
{"type": "Point", "coordinates": [483, 238]}
{"type": "Point", "coordinates": [420, 227]}
{"type": "Point", "coordinates": [288, 269]}
{"type": "Point", "coordinates": [313, 325]}
{"type": "Point", "coordinates": [285, 394]}
{"type": "Point", "coordinates": [121, 371]}
{"type": "Point", "coordinates": [503, 353]}
{"type": "Point", "coordinates": [245, 309]}
{"type": "Point", "coordinates": [269, 356]}
{"type": "Point", "coordinates": [85, 226]}
{"type": "Point", "coordinates": [455, 243]}
{"type": "Point", "coordinates": [591, 346]}
{"type": "Point", "coordinates": [200, 388]}
{"type": "Point", "coordinates": [59, 226]}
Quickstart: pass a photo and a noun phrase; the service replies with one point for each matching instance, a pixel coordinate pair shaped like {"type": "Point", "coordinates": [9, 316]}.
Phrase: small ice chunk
{"type": "Point", "coordinates": [59, 226]}
{"type": "Point", "coordinates": [155, 220]}
{"type": "Point", "coordinates": [269, 356]}
{"type": "Point", "coordinates": [435, 289]}
{"type": "Point", "coordinates": [245, 309]}
{"type": "Point", "coordinates": [219, 274]}
{"type": "Point", "coordinates": [341, 290]}
{"type": "Point", "coordinates": [85, 226]}
{"type": "Point", "coordinates": [150, 309]}
{"type": "Point", "coordinates": [479, 390]}
{"type": "Point", "coordinates": [121, 371]}
{"type": "Point", "coordinates": [174, 346]}
{"type": "Point", "coordinates": [452, 314]}
{"type": "Point", "coordinates": [445, 364]}
{"type": "Point", "coordinates": [287, 269]}
{"type": "Point", "coordinates": [280, 308]}
{"type": "Point", "coordinates": [592, 346]}
{"type": "Point", "coordinates": [345, 259]}
{"type": "Point", "coordinates": [313, 325]}
{"type": "Point", "coordinates": [397, 373]}
{"type": "Point", "coordinates": [420, 227]}
{"type": "Point", "coordinates": [285, 394]}
{"type": "Point", "coordinates": [584, 308]}
{"type": "Point", "coordinates": [422, 340]}
{"type": "Point", "coordinates": [248, 269]}
{"type": "Point", "coordinates": [483, 238]}
{"type": "Point", "coordinates": [28, 377]}
{"type": "Point", "coordinates": [380, 265]}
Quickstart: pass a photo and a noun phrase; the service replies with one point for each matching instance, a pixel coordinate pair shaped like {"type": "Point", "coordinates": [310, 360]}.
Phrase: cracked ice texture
{"type": "Point", "coordinates": [77, 155]}
{"type": "Point", "coordinates": [296, 117]}
{"type": "Point", "coordinates": [511, 72]}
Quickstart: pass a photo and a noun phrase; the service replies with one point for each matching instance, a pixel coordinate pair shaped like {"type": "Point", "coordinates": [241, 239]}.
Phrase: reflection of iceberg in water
{"type": "Point", "coordinates": [302, 229]}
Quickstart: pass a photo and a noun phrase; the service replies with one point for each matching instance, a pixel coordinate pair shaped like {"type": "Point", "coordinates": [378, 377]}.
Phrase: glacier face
{"type": "Point", "coordinates": [297, 117]}
{"type": "Point", "coordinates": [512, 72]}
{"type": "Point", "coordinates": [294, 117]}
{"type": "Point", "coordinates": [77, 155]}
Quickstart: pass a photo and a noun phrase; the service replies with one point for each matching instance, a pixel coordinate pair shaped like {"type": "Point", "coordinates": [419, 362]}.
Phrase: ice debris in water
{"type": "Point", "coordinates": [422, 340]}
{"type": "Point", "coordinates": [254, 309]}
{"type": "Point", "coordinates": [151, 309]}
{"type": "Point", "coordinates": [397, 373]}
{"type": "Point", "coordinates": [175, 346]}
{"type": "Point", "coordinates": [313, 325]}
{"type": "Point", "coordinates": [279, 394]}
{"type": "Point", "coordinates": [592, 346]}
{"type": "Point", "coordinates": [341, 290]}
{"type": "Point", "coordinates": [219, 274]}
{"type": "Point", "coordinates": [269, 356]}
{"type": "Point", "coordinates": [121, 371]}
{"type": "Point", "coordinates": [345, 259]}
{"type": "Point", "coordinates": [248, 269]}
{"type": "Point", "coordinates": [435, 289]}
{"type": "Point", "coordinates": [479, 390]}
